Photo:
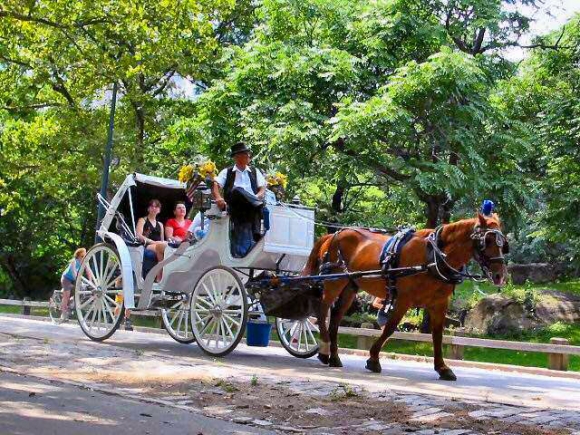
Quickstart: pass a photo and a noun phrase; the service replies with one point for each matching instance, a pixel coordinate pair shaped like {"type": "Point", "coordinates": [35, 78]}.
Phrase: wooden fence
{"type": "Point", "coordinates": [558, 350]}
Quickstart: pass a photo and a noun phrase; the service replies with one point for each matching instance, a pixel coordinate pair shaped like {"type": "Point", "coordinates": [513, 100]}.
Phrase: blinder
{"type": "Point", "coordinates": [484, 236]}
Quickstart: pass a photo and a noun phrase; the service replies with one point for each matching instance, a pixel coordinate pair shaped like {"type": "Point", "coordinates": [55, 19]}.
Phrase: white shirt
{"type": "Point", "coordinates": [242, 178]}
{"type": "Point", "coordinates": [195, 227]}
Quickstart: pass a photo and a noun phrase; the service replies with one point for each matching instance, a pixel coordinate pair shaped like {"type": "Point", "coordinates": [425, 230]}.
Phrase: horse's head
{"type": "Point", "coordinates": [489, 248]}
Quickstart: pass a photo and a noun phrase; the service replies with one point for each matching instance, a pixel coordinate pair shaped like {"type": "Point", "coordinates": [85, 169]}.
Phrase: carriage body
{"type": "Point", "coordinates": [284, 248]}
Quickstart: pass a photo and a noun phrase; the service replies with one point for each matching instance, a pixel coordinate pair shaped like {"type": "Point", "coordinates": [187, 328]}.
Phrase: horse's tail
{"type": "Point", "coordinates": [313, 259]}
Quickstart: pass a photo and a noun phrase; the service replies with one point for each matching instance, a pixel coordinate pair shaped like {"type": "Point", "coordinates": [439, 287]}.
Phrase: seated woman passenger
{"type": "Point", "coordinates": [150, 231]}
{"type": "Point", "coordinates": [176, 228]}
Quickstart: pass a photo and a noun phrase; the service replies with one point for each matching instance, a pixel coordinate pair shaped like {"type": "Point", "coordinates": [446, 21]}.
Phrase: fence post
{"type": "Point", "coordinates": [362, 341]}
{"type": "Point", "coordinates": [26, 308]}
{"type": "Point", "coordinates": [455, 350]}
{"type": "Point", "coordinates": [558, 361]}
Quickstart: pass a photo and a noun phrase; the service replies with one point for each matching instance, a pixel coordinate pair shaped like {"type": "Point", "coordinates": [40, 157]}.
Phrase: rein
{"type": "Point", "coordinates": [338, 226]}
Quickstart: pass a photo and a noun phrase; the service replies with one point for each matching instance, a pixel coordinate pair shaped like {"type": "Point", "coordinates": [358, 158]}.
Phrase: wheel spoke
{"type": "Point", "coordinates": [107, 273]}
{"type": "Point", "coordinates": [232, 335]}
{"type": "Point", "coordinates": [186, 324]}
{"type": "Point", "coordinates": [105, 304]}
{"type": "Point", "coordinates": [222, 323]}
{"type": "Point", "coordinates": [311, 334]}
{"type": "Point", "coordinates": [209, 294]}
{"type": "Point", "coordinates": [234, 321]}
{"type": "Point", "coordinates": [89, 283]}
{"type": "Point", "coordinates": [180, 320]}
{"type": "Point", "coordinates": [202, 300]}
{"type": "Point", "coordinates": [93, 309]}
{"type": "Point", "coordinates": [174, 317]}
{"type": "Point", "coordinates": [202, 332]}
{"type": "Point", "coordinates": [101, 265]}
{"type": "Point", "coordinates": [85, 303]}
{"type": "Point", "coordinates": [94, 270]}
{"type": "Point", "coordinates": [110, 299]}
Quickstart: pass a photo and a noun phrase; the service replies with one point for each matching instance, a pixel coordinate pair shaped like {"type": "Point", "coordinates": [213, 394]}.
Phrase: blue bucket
{"type": "Point", "coordinates": [258, 333]}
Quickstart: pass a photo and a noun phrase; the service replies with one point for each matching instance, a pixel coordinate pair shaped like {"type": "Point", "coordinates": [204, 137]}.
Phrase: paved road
{"type": "Point", "coordinates": [400, 376]}
{"type": "Point", "coordinates": [33, 406]}
{"type": "Point", "coordinates": [133, 358]}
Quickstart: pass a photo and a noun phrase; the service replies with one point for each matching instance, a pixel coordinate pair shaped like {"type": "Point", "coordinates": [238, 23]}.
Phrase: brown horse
{"type": "Point", "coordinates": [359, 250]}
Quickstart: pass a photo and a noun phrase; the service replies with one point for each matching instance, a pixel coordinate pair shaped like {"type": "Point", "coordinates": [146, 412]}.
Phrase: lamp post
{"type": "Point", "coordinates": [107, 159]}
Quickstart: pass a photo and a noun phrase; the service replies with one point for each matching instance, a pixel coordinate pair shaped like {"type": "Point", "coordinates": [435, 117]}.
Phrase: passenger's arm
{"type": "Point", "coordinates": [168, 231]}
{"type": "Point", "coordinates": [139, 230]}
{"type": "Point", "coordinates": [215, 191]}
{"type": "Point", "coordinates": [162, 233]}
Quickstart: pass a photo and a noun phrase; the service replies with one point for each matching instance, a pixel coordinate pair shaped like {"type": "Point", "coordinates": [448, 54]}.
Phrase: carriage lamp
{"type": "Point", "coordinates": [201, 198]}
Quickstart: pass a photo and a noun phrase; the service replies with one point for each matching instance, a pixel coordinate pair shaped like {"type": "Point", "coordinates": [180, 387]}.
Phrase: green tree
{"type": "Point", "coordinates": [360, 92]}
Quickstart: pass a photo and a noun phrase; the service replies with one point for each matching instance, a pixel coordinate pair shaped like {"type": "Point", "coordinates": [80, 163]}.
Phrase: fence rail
{"type": "Point", "coordinates": [558, 350]}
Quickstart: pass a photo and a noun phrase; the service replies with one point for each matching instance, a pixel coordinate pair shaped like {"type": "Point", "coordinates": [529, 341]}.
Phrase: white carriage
{"type": "Point", "coordinates": [203, 294]}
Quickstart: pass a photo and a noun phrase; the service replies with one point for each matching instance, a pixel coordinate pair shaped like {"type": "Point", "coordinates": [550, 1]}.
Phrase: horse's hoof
{"type": "Point", "coordinates": [373, 365]}
{"type": "Point", "coordinates": [447, 375]}
{"type": "Point", "coordinates": [324, 359]}
{"type": "Point", "coordinates": [335, 361]}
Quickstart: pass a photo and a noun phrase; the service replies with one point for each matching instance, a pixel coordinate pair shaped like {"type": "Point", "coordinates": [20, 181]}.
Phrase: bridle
{"type": "Point", "coordinates": [479, 237]}
{"type": "Point", "coordinates": [444, 271]}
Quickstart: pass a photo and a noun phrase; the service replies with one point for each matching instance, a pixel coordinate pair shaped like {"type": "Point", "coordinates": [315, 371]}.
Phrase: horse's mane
{"type": "Point", "coordinates": [460, 229]}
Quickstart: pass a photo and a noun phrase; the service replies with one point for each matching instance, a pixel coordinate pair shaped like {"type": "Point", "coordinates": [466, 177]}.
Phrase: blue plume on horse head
{"type": "Point", "coordinates": [487, 207]}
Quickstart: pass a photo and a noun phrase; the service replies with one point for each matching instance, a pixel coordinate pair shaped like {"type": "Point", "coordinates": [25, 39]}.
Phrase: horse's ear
{"type": "Point", "coordinates": [481, 220]}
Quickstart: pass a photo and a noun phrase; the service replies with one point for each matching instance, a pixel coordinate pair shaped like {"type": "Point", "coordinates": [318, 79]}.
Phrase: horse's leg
{"type": "Point", "coordinates": [332, 291]}
{"type": "Point", "coordinates": [397, 313]}
{"type": "Point", "coordinates": [437, 323]}
{"type": "Point", "coordinates": [344, 304]}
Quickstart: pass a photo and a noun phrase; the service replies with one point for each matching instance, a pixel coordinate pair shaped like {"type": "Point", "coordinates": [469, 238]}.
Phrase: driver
{"type": "Point", "coordinates": [243, 188]}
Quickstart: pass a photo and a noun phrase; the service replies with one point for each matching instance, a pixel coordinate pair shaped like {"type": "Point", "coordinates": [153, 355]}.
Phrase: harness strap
{"type": "Point", "coordinates": [389, 258]}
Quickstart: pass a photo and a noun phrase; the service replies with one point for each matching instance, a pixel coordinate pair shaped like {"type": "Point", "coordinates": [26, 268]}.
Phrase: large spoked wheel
{"type": "Point", "coordinates": [219, 308]}
{"type": "Point", "coordinates": [176, 321]}
{"type": "Point", "coordinates": [298, 336]}
{"type": "Point", "coordinates": [99, 311]}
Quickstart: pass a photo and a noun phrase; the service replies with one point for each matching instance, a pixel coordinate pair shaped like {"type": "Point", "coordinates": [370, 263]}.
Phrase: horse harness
{"type": "Point", "coordinates": [442, 270]}
{"type": "Point", "coordinates": [437, 264]}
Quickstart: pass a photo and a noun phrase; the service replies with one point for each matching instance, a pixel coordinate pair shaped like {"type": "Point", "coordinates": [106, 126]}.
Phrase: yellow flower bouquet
{"type": "Point", "coordinates": [277, 179]}
{"type": "Point", "coordinates": [197, 172]}
{"type": "Point", "coordinates": [277, 183]}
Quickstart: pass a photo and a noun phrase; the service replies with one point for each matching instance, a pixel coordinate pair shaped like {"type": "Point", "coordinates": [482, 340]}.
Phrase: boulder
{"type": "Point", "coordinates": [538, 273]}
{"type": "Point", "coordinates": [500, 314]}
{"type": "Point", "coordinates": [556, 306]}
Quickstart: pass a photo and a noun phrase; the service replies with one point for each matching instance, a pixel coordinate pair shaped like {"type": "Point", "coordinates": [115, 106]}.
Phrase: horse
{"type": "Point", "coordinates": [442, 252]}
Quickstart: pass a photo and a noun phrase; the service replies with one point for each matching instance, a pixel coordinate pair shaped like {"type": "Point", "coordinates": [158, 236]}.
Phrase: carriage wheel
{"type": "Point", "coordinates": [297, 336]}
{"type": "Point", "coordinates": [176, 322]}
{"type": "Point", "coordinates": [99, 311]}
{"type": "Point", "coordinates": [219, 311]}
{"type": "Point", "coordinates": [54, 304]}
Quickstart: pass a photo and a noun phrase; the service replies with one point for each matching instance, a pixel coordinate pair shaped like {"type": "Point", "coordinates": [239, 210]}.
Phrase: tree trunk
{"type": "Point", "coordinates": [432, 211]}
{"type": "Point", "coordinates": [336, 204]}
{"type": "Point", "coordinates": [139, 134]}
{"type": "Point", "coordinates": [446, 208]}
